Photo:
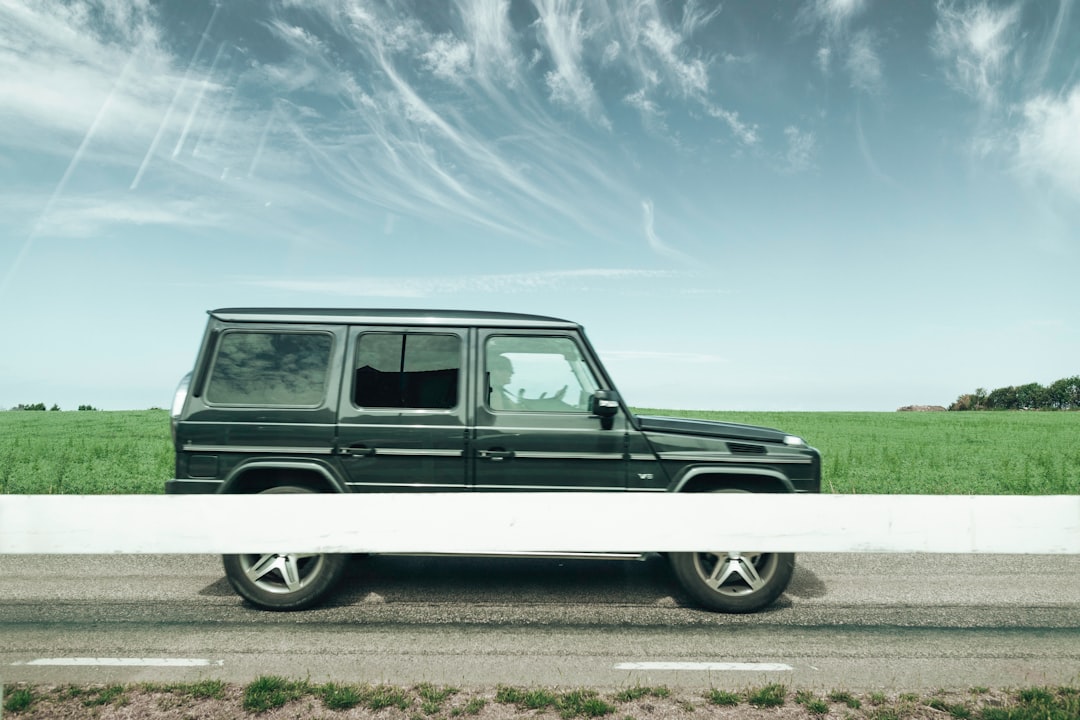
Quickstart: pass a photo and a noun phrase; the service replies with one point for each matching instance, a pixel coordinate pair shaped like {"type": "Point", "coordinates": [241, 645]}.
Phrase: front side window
{"type": "Point", "coordinates": [270, 368]}
{"type": "Point", "coordinates": [537, 374]}
{"type": "Point", "coordinates": [407, 370]}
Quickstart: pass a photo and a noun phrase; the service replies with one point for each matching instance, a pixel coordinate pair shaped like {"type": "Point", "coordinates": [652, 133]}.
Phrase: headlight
{"type": "Point", "coordinates": [794, 441]}
{"type": "Point", "coordinates": [178, 403]}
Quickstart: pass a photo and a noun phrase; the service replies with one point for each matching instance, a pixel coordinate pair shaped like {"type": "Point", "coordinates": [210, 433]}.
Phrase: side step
{"type": "Point", "coordinates": [555, 555]}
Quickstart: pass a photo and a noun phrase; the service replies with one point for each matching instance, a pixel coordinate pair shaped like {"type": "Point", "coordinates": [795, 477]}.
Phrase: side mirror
{"type": "Point", "coordinates": [604, 404]}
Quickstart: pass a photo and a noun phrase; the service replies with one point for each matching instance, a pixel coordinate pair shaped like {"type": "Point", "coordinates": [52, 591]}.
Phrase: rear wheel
{"type": "Point", "coordinates": [284, 581]}
{"type": "Point", "coordinates": [733, 581]}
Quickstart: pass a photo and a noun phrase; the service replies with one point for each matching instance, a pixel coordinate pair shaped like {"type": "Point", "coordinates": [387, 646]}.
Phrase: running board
{"type": "Point", "coordinates": [555, 555]}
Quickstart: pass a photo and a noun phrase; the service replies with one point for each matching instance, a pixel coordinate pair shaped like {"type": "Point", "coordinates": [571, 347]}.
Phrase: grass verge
{"type": "Point", "coordinates": [273, 697]}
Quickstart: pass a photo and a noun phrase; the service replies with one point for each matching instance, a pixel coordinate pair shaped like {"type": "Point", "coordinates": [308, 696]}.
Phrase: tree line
{"type": "Point", "coordinates": [41, 407]}
{"type": "Point", "coordinates": [1063, 394]}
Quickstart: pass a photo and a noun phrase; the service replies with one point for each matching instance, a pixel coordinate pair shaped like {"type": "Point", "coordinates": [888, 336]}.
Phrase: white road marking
{"type": "Point", "coordinates": [123, 662]}
{"type": "Point", "coordinates": [719, 666]}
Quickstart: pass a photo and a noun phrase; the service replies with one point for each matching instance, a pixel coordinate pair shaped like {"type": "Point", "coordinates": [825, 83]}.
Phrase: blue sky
{"type": "Point", "coordinates": [825, 205]}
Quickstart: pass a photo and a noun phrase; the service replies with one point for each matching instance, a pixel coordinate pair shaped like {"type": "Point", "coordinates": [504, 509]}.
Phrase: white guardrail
{"type": "Point", "coordinates": [478, 523]}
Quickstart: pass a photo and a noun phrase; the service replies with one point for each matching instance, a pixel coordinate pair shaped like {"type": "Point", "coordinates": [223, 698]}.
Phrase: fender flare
{"type": "Point", "coordinates": [690, 473]}
{"type": "Point", "coordinates": [319, 468]}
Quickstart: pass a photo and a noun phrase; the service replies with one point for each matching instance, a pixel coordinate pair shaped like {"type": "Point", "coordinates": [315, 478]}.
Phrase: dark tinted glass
{"type": "Point", "coordinates": [403, 370]}
{"type": "Point", "coordinates": [270, 368]}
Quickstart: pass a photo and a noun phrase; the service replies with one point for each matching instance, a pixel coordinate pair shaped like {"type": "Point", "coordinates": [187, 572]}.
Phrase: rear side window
{"type": "Point", "coordinates": [407, 370]}
{"type": "Point", "coordinates": [270, 368]}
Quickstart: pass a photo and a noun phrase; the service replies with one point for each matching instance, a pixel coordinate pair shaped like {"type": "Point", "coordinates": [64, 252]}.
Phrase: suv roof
{"type": "Point", "coordinates": [384, 316]}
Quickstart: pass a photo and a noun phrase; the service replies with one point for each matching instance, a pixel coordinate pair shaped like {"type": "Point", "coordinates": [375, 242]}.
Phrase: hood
{"type": "Point", "coordinates": [709, 428]}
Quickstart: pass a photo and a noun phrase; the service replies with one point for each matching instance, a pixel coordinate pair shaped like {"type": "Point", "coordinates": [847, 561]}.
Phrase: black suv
{"type": "Point", "coordinates": [336, 401]}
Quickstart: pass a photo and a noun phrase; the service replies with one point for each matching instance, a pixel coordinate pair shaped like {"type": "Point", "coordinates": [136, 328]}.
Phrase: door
{"type": "Point", "coordinates": [534, 430]}
{"type": "Point", "coordinates": [402, 416]}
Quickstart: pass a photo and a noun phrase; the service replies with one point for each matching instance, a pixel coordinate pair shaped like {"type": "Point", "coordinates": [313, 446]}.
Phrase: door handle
{"type": "Point", "coordinates": [496, 454]}
{"type": "Point", "coordinates": [359, 450]}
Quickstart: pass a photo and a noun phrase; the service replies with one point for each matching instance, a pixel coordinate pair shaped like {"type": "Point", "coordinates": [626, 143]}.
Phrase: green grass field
{"type": "Point", "coordinates": [987, 453]}
{"type": "Point", "coordinates": [85, 453]}
{"type": "Point", "coordinates": [934, 453]}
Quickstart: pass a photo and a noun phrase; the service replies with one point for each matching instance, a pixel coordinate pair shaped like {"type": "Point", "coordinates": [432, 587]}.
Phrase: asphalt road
{"type": "Point", "coordinates": [860, 622]}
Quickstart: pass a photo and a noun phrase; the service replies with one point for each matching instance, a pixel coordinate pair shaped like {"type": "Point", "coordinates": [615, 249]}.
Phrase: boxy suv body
{"type": "Point", "coordinates": [337, 401]}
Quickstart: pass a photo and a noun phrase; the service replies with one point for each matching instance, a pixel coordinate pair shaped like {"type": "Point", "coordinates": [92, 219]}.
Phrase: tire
{"type": "Point", "coordinates": [277, 581]}
{"type": "Point", "coordinates": [733, 582]}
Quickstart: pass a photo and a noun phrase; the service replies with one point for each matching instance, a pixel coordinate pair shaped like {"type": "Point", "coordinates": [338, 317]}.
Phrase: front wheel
{"type": "Point", "coordinates": [731, 581]}
{"type": "Point", "coordinates": [284, 581]}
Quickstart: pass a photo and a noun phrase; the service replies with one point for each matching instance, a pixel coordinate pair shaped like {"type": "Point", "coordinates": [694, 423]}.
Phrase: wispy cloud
{"type": "Point", "coordinates": [746, 133]}
{"type": "Point", "coordinates": [666, 64]}
{"type": "Point", "coordinates": [866, 153]}
{"type": "Point", "coordinates": [824, 59]}
{"type": "Point", "coordinates": [449, 58]}
{"type": "Point", "coordinates": [485, 115]}
{"type": "Point", "coordinates": [989, 56]}
{"type": "Point", "coordinates": [563, 33]}
{"type": "Point", "coordinates": [834, 19]}
{"type": "Point", "coordinates": [56, 69]}
{"type": "Point", "coordinates": [165, 124]}
{"type": "Point", "coordinates": [863, 63]}
{"type": "Point", "coordinates": [834, 16]}
{"type": "Point", "coordinates": [655, 243]}
{"type": "Point", "coordinates": [434, 286]}
{"type": "Point", "coordinates": [696, 16]}
{"type": "Point", "coordinates": [399, 146]}
{"type": "Point", "coordinates": [801, 149]}
{"type": "Point", "coordinates": [690, 74]}
{"type": "Point", "coordinates": [975, 41]}
{"type": "Point", "coordinates": [89, 216]}
{"type": "Point", "coordinates": [1048, 143]}
{"type": "Point", "coordinates": [1046, 52]}
{"type": "Point", "coordinates": [96, 81]}
{"type": "Point", "coordinates": [46, 215]}
{"type": "Point", "coordinates": [487, 30]}
{"type": "Point", "coordinates": [651, 114]}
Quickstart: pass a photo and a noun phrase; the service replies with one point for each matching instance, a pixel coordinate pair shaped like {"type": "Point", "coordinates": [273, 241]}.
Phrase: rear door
{"type": "Point", "coordinates": [402, 419]}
